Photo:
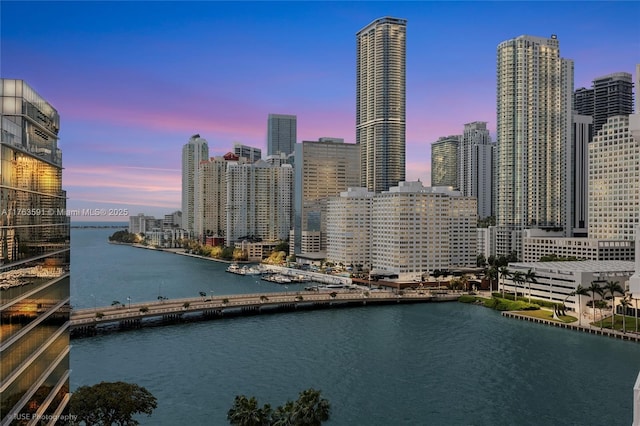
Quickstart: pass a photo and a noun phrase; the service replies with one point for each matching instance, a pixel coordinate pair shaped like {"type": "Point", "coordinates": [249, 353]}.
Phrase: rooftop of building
{"type": "Point", "coordinates": [594, 266]}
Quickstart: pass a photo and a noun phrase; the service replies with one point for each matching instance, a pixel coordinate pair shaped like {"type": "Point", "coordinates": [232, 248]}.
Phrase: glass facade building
{"type": "Point", "coordinates": [381, 103]}
{"type": "Point", "coordinates": [34, 261]}
{"type": "Point", "coordinates": [444, 161]}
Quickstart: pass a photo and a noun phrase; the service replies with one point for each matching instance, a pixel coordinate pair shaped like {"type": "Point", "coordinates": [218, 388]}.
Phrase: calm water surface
{"type": "Point", "coordinates": [429, 364]}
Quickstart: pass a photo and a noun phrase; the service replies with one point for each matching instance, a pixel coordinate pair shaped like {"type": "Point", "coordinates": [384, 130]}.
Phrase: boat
{"type": "Point", "coordinates": [252, 270]}
{"type": "Point", "coordinates": [333, 286]}
{"type": "Point", "coordinates": [277, 278]}
{"type": "Point", "coordinates": [234, 269]}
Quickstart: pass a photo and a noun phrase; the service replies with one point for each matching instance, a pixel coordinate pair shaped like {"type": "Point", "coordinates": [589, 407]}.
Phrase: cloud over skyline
{"type": "Point", "coordinates": [133, 86]}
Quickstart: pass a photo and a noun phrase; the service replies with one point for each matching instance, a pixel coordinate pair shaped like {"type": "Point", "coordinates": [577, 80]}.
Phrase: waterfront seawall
{"type": "Point", "coordinates": [591, 330]}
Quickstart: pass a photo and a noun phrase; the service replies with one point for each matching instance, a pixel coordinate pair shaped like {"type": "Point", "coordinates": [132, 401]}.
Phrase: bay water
{"type": "Point", "coordinates": [423, 364]}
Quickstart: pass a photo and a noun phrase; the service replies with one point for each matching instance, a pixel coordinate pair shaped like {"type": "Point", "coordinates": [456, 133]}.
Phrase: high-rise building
{"type": "Point", "coordinates": [534, 94]}
{"type": "Point", "coordinates": [349, 227]}
{"type": "Point", "coordinates": [250, 153]}
{"type": "Point", "coordinates": [323, 169]}
{"type": "Point", "coordinates": [413, 229]}
{"type": "Point", "coordinates": [212, 195]}
{"type": "Point", "coordinates": [581, 134]}
{"type": "Point", "coordinates": [281, 134]}
{"type": "Point", "coordinates": [193, 152]}
{"type": "Point", "coordinates": [258, 201]}
{"type": "Point", "coordinates": [476, 166]}
{"type": "Point", "coordinates": [444, 161]}
{"type": "Point", "coordinates": [614, 180]}
{"type": "Point", "coordinates": [583, 101]}
{"type": "Point", "coordinates": [34, 260]}
{"type": "Point", "coordinates": [380, 102]}
{"type": "Point", "coordinates": [609, 96]}
{"type": "Point", "coordinates": [143, 224]}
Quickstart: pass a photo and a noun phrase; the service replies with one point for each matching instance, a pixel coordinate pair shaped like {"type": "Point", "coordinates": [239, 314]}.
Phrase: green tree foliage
{"type": "Point", "coordinates": [276, 258]}
{"type": "Point", "coordinates": [555, 258]}
{"type": "Point", "coordinates": [487, 222]}
{"type": "Point", "coordinates": [227, 253]}
{"type": "Point", "coordinates": [309, 410]}
{"type": "Point", "coordinates": [239, 254]}
{"type": "Point", "coordinates": [110, 403]}
{"type": "Point", "coordinates": [282, 246]}
{"type": "Point", "coordinates": [124, 237]}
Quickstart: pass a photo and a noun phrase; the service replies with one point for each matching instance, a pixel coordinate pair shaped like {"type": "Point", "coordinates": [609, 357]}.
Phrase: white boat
{"type": "Point", "coordinates": [250, 270]}
{"type": "Point", "coordinates": [234, 269]}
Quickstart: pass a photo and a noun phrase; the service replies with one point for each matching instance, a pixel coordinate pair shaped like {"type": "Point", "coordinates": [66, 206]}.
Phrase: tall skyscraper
{"type": "Point", "coordinates": [534, 99]}
{"type": "Point", "coordinates": [281, 134]}
{"type": "Point", "coordinates": [444, 161]}
{"type": "Point", "coordinates": [380, 102]}
{"type": "Point", "coordinates": [323, 169]}
{"type": "Point", "coordinates": [476, 166]}
{"type": "Point", "coordinates": [193, 152]}
{"type": "Point", "coordinates": [609, 96]}
{"type": "Point", "coordinates": [34, 260]}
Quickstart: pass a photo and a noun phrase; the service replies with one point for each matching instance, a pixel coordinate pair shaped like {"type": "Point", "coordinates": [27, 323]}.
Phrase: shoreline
{"type": "Point", "coordinates": [615, 334]}
{"type": "Point", "coordinates": [180, 251]}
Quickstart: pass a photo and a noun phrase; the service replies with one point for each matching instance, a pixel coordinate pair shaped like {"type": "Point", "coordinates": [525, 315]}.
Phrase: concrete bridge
{"type": "Point", "coordinates": [89, 322]}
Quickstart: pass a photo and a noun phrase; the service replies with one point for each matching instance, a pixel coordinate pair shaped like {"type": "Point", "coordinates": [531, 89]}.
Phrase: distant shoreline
{"type": "Point", "coordinates": [180, 251]}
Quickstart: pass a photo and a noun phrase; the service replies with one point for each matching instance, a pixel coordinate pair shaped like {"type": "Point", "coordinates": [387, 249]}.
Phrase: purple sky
{"type": "Point", "coordinates": [134, 80]}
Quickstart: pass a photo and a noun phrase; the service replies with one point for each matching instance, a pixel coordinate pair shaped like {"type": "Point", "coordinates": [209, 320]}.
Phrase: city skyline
{"type": "Point", "coordinates": [126, 112]}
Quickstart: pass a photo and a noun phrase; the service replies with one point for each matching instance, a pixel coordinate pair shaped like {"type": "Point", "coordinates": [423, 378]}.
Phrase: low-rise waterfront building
{"type": "Point", "coordinates": [534, 248]}
{"type": "Point", "coordinates": [557, 281]}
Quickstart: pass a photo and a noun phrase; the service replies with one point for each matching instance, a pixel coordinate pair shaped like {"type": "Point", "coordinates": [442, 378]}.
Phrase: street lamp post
{"type": "Point", "coordinates": [129, 299]}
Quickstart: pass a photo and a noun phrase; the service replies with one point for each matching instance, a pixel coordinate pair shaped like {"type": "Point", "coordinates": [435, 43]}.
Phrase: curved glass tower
{"type": "Point", "coordinates": [34, 261]}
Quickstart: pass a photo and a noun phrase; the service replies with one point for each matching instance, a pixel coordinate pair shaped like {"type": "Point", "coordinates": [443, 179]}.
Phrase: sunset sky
{"type": "Point", "coordinates": [132, 81]}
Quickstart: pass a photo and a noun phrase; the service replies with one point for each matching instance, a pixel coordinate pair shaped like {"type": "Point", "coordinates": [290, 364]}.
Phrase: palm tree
{"type": "Point", "coordinates": [518, 278]}
{"type": "Point", "coordinates": [602, 304]}
{"type": "Point", "coordinates": [625, 303]}
{"type": "Point", "coordinates": [245, 412]}
{"type": "Point", "coordinates": [636, 315]}
{"type": "Point", "coordinates": [492, 273]}
{"type": "Point", "coordinates": [530, 278]}
{"type": "Point", "coordinates": [310, 408]}
{"type": "Point", "coordinates": [580, 291]}
{"type": "Point", "coordinates": [594, 289]}
{"type": "Point", "coordinates": [613, 287]}
{"type": "Point", "coordinates": [504, 273]}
